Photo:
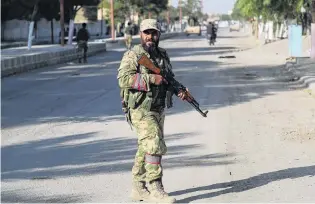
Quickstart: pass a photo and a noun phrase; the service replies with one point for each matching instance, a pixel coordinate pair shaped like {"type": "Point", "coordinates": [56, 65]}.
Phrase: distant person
{"type": "Point", "coordinates": [128, 35]}
{"type": "Point", "coordinates": [214, 32]}
{"type": "Point", "coordinates": [209, 29]}
{"type": "Point", "coordinates": [67, 31]}
{"type": "Point", "coordinates": [82, 39]}
{"type": "Point", "coordinates": [74, 32]}
{"type": "Point", "coordinates": [211, 33]}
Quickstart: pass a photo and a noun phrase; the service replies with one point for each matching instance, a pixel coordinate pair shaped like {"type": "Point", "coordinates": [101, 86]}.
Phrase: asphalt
{"type": "Point", "coordinates": [64, 138]}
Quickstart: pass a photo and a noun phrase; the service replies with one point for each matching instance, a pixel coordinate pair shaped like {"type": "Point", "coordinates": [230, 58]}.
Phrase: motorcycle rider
{"type": "Point", "coordinates": [211, 33]}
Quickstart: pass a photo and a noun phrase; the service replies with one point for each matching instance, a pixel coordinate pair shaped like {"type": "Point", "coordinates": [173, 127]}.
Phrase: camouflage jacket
{"type": "Point", "coordinates": [137, 82]}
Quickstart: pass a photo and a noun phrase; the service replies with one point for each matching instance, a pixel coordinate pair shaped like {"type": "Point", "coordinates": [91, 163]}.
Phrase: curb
{"type": "Point", "coordinates": [306, 81]}
{"type": "Point", "coordinates": [24, 63]}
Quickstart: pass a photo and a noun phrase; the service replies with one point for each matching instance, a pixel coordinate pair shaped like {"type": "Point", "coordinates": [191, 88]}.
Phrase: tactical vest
{"type": "Point", "coordinates": [154, 99]}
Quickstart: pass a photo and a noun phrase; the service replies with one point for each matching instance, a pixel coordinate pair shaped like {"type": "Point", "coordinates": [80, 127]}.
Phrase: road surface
{"type": "Point", "coordinates": [64, 138]}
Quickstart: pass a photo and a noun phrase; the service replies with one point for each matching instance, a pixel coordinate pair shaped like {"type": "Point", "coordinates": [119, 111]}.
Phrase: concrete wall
{"type": "Point", "coordinates": [27, 62]}
{"type": "Point", "coordinates": [17, 30]}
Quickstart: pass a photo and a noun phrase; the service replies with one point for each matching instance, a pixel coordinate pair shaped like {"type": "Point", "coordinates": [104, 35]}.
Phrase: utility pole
{"type": "Point", "coordinates": [168, 15]}
{"type": "Point", "coordinates": [102, 21]}
{"type": "Point", "coordinates": [112, 19]}
{"type": "Point", "coordinates": [313, 30]}
{"type": "Point", "coordinates": [180, 13]}
{"type": "Point", "coordinates": [62, 23]}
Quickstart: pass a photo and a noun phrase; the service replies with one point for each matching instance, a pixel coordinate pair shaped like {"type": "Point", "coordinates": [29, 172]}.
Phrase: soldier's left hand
{"type": "Point", "coordinates": [184, 95]}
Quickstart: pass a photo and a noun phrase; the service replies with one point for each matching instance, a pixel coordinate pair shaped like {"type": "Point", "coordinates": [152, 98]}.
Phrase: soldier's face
{"type": "Point", "coordinates": [149, 38]}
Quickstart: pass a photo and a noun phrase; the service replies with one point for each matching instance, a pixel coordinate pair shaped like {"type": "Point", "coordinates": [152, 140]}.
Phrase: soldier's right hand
{"type": "Point", "coordinates": [158, 79]}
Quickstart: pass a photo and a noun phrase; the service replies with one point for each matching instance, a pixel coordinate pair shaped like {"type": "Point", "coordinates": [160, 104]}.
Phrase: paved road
{"type": "Point", "coordinates": [64, 138]}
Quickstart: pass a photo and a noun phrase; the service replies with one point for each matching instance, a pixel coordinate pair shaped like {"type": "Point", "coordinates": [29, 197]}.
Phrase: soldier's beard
{"type": "Point", "coordinates": [150, 48]}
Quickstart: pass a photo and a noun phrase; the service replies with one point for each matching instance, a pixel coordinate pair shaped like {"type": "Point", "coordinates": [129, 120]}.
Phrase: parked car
{"type": "Point", "coordinates": [193, 26]}
{"type": "Point", "coordinates": [235, 26]}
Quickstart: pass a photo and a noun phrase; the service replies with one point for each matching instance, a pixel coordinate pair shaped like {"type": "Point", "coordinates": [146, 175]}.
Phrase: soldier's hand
{"type": "Point", "coordinates": [158, 79]}
{"type": "Point", "coordinates": [184, 95]}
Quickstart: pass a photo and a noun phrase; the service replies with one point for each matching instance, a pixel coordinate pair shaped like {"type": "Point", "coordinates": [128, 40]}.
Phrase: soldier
{"type": "Point", "coordinates": [128, 36]}
{"type": "Point", "coordinates": [144, 97]}
{"type": "Point", "coordinates": [82, 38]}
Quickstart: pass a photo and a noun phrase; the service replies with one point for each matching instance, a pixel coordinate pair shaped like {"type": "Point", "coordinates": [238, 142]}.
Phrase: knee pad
{"type": "Point", "coordinates": [153, 159]}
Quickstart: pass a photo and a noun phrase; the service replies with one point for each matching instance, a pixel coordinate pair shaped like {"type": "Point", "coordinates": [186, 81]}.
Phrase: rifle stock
{"type": "Point", "coordinates": [146, 62]}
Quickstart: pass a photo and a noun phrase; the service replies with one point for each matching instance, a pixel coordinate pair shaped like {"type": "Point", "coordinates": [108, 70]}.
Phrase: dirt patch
{"type": "Point", "coordinates": [301, 134]}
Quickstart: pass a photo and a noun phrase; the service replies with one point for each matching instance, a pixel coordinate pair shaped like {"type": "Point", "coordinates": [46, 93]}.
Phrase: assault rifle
{"type": "Point", "coordinates": [178, 87]}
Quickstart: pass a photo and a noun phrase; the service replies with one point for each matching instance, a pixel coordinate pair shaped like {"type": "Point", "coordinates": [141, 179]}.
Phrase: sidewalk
{"type": "Point", "coordinates": [299, 72]}
{"type": "Point", "coordinates": [20, 59]}
{"type": "Point", "coordinates": [303, 69]}
{"type": "Point", "coordinates": [6, 44]}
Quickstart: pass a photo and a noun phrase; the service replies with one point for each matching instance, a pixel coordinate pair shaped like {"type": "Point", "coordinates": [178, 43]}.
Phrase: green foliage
{"type": "Point", "coordinates": [72, 6]}
{"type": "Point", "coordinates": [192, 8]}
{"type": "Point", "coordinates": [154, 6]}
{"type": "Point", "coordinates": [49, 9]}
{"type": "Point", "coordinates": [17, 9]}
{"type": "Point", "coordinates": [121, 9]}
{"type": "Point", "coordinates": [268, 9]}
{"type": "Point", "coordinates": [225, 17]}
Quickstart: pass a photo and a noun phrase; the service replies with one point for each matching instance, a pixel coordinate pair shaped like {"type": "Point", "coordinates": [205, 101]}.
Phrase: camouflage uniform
{"type": "Point", "coordinates": [82, 39]}
{"type": "Point", "coordinates": [144, 105]}
{"type": "Point", "coordinates": [128, 36]}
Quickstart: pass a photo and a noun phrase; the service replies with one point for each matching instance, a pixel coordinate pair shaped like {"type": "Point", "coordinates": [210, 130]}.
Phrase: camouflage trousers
{"type": "Point", "coordinates": [149, 126]}
{"type": "Point", "coordinates": [128, 40]}
{"type": "Point", "coordinates": [82, 50]}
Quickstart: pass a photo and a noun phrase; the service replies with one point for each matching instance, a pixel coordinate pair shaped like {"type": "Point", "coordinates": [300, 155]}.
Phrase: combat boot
{"type": "Point", "coordinates": [157, 193]}
{"type": "Point", "coordinates": [139, 191]}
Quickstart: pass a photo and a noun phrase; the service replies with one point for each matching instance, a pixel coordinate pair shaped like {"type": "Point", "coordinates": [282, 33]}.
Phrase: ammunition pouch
{"type": "Point", "coordinates": [169, 99]}
{"type": "Point", "coordinates": [139, 99]}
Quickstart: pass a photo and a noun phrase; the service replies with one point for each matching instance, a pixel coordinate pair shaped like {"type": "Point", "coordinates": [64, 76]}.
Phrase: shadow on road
{"type": "Point", "coordinates": [83, 154]}
{"type": "Point", "coordinates": [215, 87]}
{"type": "Point", "coordinates": [71, 92]}
{"type": "Point", "coordinates": [89, 92]}
{"type": "Point", "coordinates": [24, 196]}
{"type": "Point", "coordinates": [181, 52]}
{"type": "Point", "coordinates": [245, 184]}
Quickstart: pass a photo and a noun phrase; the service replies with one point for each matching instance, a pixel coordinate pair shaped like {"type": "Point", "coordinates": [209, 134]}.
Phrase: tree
{"type": "Point", "coordinates": [152, 6]}
{"type": "Point", "coordinates": [122, 9]}
{"type": "Point", "coordinates": [225, 17]}
{"type": "Point", "coordinates": [192, 9]}
{"type": "Point", "coordinates": [269, 9]}
{"type": "Point", "coordinates": [173, 14]}
{"type": "Point", "coordinates": [50, 10]}
{"type": "Point", "coordinates": [19, 9]}
{"type": "Point", "coordinates": [71, 7]}
{"type": "Point", "coordinates": [236, 14]}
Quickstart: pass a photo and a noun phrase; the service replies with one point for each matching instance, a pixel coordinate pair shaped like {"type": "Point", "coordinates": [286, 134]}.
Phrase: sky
{"type": "Point", "coordinates": [214, 6]}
